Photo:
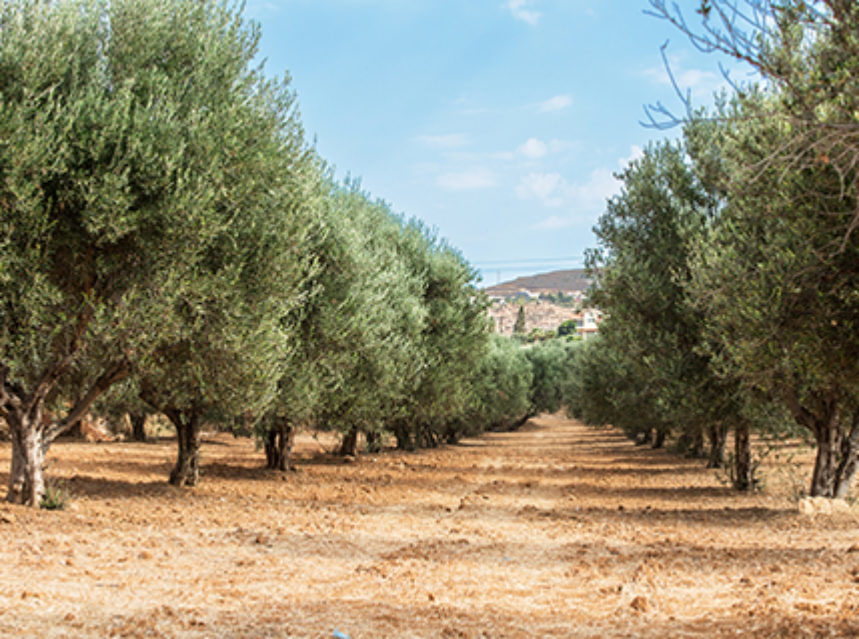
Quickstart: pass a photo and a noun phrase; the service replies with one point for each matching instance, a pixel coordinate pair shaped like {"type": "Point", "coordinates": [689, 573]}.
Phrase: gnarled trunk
{"type": "Point", "coordinates": [374, 441]}
{"type": "Point", "coordinates": [32, 435]}
{"type": "Point", "coordinates": [831, 475]}
{"type": "Point", "coordinates": [349, 447]}
{"type": "Point", "coordinates": [742, 473]}
{"type": "Point", "coordinates": [849, 460]}
{"type": "Point", "coordinates": [138, 426]}
{"type": "Point", "coordinates": [278, 446]}
{"type": "Point", "coordinates": [659, 440]}
{"type": "Point", "coordinates": [26, 477]}
{"type": "Point", "coordinates": [404, 436]}
{"type": "Point", "coordinates": [428, 438]}
{"type": "Point", "coordinates": [828, 435]}
{"type": "Point", "coordinates": [644, 438]}
{"type": "Point", "coordinates": [186, 472]}
{"type": "Point", "coordinates": [718, 434]}
{"type": "Point", "coordinates": [696, 449]}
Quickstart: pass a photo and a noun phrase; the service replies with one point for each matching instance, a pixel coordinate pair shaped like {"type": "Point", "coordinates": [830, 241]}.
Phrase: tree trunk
{"type": "Point", "coordinates": [849, 460]}
{"type": "Point", "coordinates": [428, 437]}
{"type": "Point", "coordinates": [186, 472]}
{"type": "Point", "coordinates": [278, 446]}
{"type": "Point", "coordinates": [31, 435]}
{"type": "Point", "coordinates": [828, 436]}
{"type": "Point", "coordinates": [696, 450]}
{"type": "Point", "coordinates": [138, 426]}
{"type": "Point", "coordinates": [743, 479]}
{"type": "Point", "coordinates": [825, 422]}
{"type": "Point", "coordinates": [659, 439]}
{"type": "Point", "coordinates": [718, 434]}
{"type": "Point", "coordinates": [350, 443]}
{"type": "Point", "coordinates": [374, 442]}
{"type": "Point", "coordinates": [404, 437]}
{"type": "Point", "coordinates": [26, 477]}
{"type": "Point", "coordinates": [271, 449]}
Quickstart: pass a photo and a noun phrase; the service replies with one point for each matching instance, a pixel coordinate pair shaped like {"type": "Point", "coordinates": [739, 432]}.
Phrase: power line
{"type": "Point", "coordinates": [527, 261]}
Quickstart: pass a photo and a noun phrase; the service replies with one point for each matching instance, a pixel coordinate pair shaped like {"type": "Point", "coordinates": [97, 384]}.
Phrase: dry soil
{"type": "Point", "coordinates": [557, 530]}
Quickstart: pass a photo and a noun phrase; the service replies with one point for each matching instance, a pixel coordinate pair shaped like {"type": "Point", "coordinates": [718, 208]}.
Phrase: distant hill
{"type": "Point", "coordinates": [568, 282]}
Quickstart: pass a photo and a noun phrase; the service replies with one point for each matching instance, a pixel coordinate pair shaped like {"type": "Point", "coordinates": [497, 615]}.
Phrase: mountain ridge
{"type": "Point", "coordinates": [566, 281]}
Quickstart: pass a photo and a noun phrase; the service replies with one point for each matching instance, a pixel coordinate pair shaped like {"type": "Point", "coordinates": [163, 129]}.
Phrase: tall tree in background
{"type": "Point", "coordinates": [502, 386]}
{"type": "Point", "coordinates": [364, 331]}
{"type": "Point", "coordinates": [519, 325]}
{"type": "Point", "coordinates": [453, 341]}
{"type": "Point", "coordinates": [646, 236]}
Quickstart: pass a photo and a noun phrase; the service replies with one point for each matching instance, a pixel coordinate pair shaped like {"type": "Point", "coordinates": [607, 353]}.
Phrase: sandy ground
{"type": "Point", "coordinates": [557, 530]}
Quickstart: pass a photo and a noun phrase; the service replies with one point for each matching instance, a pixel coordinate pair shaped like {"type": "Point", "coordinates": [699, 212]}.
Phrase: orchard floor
{"type": "Point", "coordinates": [557, 530]}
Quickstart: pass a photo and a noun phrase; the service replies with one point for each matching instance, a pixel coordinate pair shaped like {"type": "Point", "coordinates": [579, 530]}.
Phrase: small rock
{"type": "Point", "coordinates": [840, 506]}
{"type": "Point", "coordinates": [811, 506]}
{"type": "Point", "coordinates": [639, 604]}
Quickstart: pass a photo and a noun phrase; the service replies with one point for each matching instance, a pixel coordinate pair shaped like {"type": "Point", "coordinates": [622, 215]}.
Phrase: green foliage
{"type": "Point", "coordinates": [651, 332]}
{"type": "Point", "coordinates": [778, 282]}
{"type": "Point", "coordinates": [569, 327]}
{"type": "Point", "coordinates": [519, 324]}
{"type": "Point", "coordinates": [502, 385]}
{"type": "Point", "coordinates": [561, 299]}
{"type": "Point", "coordinates": [727, 263]}
{"type": "Point", "coordinates": [539, 335]}
{"type": "Point", "coordinates": [551, 365]}
{"type": "Point", "coordinates": [56, 496]}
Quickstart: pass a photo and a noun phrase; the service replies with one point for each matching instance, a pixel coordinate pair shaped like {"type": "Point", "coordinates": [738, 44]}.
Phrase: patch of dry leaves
{"type": "Point", "coordinates": [556, 530]}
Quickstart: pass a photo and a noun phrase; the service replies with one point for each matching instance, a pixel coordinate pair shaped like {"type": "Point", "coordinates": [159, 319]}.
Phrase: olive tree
{"type": "Point", "coordinates": [779, 276]}
{"type": "Point", "coordinates": [131, 132]}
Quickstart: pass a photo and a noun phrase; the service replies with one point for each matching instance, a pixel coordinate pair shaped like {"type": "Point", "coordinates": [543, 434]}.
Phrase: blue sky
{"type": "Point", "coordinates": [497, 122]}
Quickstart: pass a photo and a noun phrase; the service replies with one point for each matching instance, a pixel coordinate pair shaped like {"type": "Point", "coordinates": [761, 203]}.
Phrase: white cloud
{"type": "Point", "coordinates": [557, 103]}
{"type": "Point", "coordinates": [533, 148]}
{"type": "Point", "coordinates": [584, 201]}
{"type": "Point", "coordinates": [517, 8]}
{"type": "Point", "coordinates": [467, 180]}
{"type": "Point", "coordinates": [635, 153]}
{"type": "Point", "coordinates": [592, 194]}
{"type": "Point", "coordinates": [448, 141]}
{"type": "Point", "coordinates": [700, 82]}
{"type": "Point", "coordinates": [549, 188]}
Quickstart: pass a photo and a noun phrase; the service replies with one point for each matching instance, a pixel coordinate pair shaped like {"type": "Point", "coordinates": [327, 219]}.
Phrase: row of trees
{"type": "Point", "coordinates": [170, 242]}
{"type": "Point", "coordinates": [728, 263]}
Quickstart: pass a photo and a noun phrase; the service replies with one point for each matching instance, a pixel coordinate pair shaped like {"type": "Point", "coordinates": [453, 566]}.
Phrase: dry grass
{"type": "Point", "coordinates": [556, 530]}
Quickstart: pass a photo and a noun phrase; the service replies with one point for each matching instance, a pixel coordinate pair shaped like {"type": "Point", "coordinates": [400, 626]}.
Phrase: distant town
{"type": "Point", "coordinates": [549, 300]}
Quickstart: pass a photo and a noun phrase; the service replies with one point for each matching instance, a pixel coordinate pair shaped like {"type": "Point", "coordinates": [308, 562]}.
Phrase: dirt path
{"type": "Point", "coordinates": [556, 530]}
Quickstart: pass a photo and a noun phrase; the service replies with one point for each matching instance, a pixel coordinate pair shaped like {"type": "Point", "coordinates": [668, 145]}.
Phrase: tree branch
{"type": "Point", "coordinates": [116, 372]}
{"type": "Point", "coordinates": [801, 414]}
